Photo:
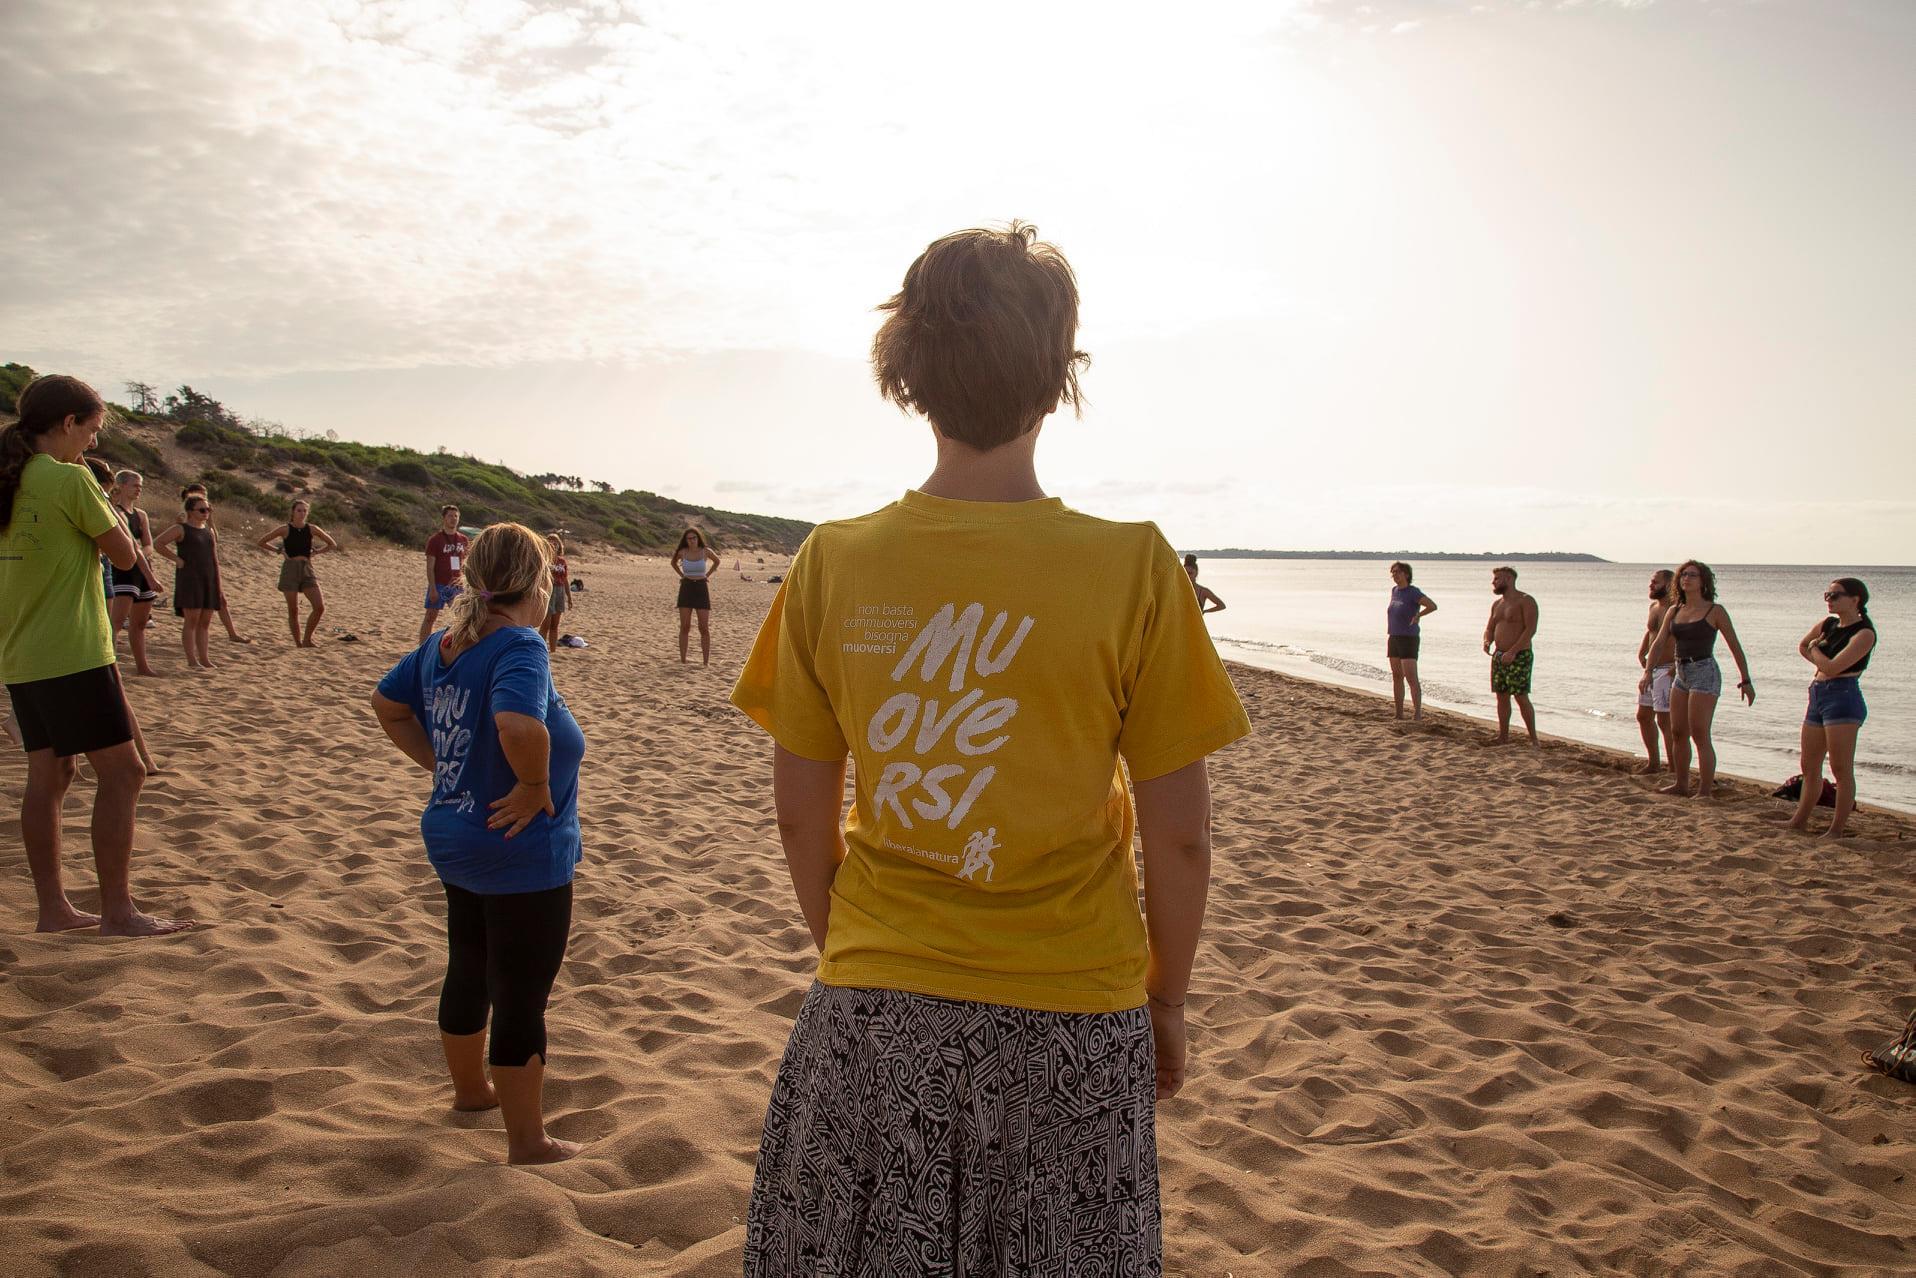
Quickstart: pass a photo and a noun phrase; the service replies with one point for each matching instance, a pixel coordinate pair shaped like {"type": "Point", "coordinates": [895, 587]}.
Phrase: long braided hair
{"type": "Point", "coordinates": [44, 404]}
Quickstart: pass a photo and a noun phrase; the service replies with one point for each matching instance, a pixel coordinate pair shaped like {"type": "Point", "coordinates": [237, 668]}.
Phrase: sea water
{"type": "Point", "coordinates": [1324, 619]}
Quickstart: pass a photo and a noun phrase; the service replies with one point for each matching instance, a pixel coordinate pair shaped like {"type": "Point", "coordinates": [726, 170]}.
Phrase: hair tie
{"type": "Point", "coordinates": [486, 595]}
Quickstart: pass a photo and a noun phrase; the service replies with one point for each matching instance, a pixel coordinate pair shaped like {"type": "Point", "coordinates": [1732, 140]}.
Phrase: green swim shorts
{"type": "Point", "coordinates": [1512, 679]}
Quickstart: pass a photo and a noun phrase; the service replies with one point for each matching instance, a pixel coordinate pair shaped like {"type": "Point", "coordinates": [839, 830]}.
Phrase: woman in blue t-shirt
{"type": "Point", "coordinates": [474, 705]}
{"type": "Point", "coordinates": [1408, 606]}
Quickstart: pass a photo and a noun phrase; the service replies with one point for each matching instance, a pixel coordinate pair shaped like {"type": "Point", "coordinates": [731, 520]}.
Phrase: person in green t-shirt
{"type": "Point", "coordinates": [56, 650]}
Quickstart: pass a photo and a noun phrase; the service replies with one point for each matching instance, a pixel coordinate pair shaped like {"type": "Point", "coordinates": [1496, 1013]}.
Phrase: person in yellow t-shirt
{"type": "Point", "coordinates": [993, 1021]}
{"type": "Point", "coordinates": [56, 650]}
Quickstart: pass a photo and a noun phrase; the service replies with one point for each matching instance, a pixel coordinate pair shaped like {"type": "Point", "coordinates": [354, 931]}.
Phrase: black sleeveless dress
{"type": "Point", "coordinates": [196, 584]}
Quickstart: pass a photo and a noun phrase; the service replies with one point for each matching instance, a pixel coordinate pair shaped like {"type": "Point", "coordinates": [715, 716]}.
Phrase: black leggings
{"type": "Point", "coordinates": [503, 953]}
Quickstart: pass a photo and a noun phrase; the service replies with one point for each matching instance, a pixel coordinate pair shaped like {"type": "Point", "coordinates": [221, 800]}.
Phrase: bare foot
{"type": "Point", "coordinates": [553, 1151]}
{"type": "Point", "coordinates": [1834, 833]}
{"type": "Point", "coordinates": [1680, 791]}
{"type": "Point", "coordinates": [148, 671]}
{"type": "Point", "coordinates": [478, 1103]}
{"type": "Point", "coordinates": [67, 920]}
{"type": "Point", "coordinates": [1706, 793]}
{"type": "Point", "coordinates": [238, 639]}
{"type": "Point", "coordinates": [143, 925]}
{"type": "Point", "coordinates": [1649, 769]}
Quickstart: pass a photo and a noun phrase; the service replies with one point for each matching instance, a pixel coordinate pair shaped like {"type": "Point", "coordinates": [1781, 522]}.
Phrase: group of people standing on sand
{"type": "Point", "coordinates": [1681, 682]}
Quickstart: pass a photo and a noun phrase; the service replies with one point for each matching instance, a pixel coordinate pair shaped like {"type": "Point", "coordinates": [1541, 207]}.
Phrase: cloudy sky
{"type": "Point", "coordinates": [1610, 275]}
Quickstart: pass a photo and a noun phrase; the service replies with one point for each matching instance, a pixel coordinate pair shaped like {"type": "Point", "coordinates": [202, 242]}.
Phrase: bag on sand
{"type": "Point", "coordinates": [1897, 1058]}
{"type": "Point", "coordinates": [1792, 790]}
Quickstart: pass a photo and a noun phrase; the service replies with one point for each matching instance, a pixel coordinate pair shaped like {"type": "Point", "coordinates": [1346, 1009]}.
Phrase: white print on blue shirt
{"type": "Point", "coordinates": [451, 740]}
{"type": "Point", "coordinates": [970, 726]}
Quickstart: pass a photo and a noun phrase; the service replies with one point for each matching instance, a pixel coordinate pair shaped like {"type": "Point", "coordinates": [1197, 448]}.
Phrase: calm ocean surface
{"type": "Point", "coordinates": [1324, 619]}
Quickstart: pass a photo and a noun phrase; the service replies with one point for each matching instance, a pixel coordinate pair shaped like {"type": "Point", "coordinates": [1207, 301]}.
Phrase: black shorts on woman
{"type": "Point", "coordinates": [695, 594]}
{"type": "Point", "coordinates": [74, 713]}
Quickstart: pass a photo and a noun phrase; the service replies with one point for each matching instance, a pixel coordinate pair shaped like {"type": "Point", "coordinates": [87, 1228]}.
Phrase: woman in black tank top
{"type": "Point", "coordinates": [1693, 626]}
{"type": "Point", "coordinates": [1839, 646]}
{"type": "Point", "coordinates": [296, 539]}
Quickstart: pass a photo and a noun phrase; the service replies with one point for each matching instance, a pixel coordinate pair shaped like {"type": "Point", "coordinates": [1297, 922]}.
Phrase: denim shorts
{"type": "Point", "coordinates": [438, 597]}
{"type": "Point", "coordinates": [1701, 675]}
{"type": "Point", "coordinates": [1835, 701]}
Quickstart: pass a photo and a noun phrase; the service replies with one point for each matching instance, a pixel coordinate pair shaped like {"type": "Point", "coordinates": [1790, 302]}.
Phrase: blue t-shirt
{"type": "Point", "coordinates": [1402, 613]}
{"type": "Point", "coordinates": [507, 670]}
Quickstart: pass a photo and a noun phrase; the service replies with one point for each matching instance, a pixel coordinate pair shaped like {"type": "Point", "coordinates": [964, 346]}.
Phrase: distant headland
{"type": "Point", "coordinates": [1525, 557]}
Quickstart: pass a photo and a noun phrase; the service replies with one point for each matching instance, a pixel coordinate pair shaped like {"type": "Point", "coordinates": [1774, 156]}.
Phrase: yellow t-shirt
{"type": "Point", "coordinates": [985, 664]}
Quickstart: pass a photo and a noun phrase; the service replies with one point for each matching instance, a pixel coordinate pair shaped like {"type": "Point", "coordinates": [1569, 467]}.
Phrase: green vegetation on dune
{"type": "Point", "coordinates": [391, 493]}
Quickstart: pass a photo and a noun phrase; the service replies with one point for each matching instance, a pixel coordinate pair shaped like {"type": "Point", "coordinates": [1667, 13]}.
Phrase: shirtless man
{"type": "Point", "coordinates": [1507, 636]}
{"type": "Point", "coordinates": [1658, 660]}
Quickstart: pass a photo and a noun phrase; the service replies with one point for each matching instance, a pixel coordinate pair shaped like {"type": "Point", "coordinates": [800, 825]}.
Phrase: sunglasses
{"type": "Point", "coordinates": [199, 510]}
{"type": "Point", "coordinates": [1831, 596]}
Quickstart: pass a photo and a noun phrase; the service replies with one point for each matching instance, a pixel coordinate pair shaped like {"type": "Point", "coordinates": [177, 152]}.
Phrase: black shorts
{"type": "Point", "coordinates": [694, 594]}
{"type": "Point", "coordinates": [73, 714]}
{"type": "Point", "coordinates": [1402, 647]}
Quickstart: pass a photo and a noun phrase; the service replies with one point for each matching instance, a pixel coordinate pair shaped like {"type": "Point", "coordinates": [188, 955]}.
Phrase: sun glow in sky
{"type": "Point", "coordinates": [1617, 276]}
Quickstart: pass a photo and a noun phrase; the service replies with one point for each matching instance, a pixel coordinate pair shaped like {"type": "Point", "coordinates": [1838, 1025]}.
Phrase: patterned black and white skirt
{"type": "Point", "coordinates": [910, 1135]}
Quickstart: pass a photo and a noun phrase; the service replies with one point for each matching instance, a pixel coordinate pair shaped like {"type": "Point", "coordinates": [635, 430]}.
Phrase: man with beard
{"type": "Point", "coordinates": [1507, 636]}
{"type": "Point", "coordinates": [1658, 660]}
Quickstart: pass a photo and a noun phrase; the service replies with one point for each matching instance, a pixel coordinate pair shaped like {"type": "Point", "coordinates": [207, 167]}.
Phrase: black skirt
{"type": "Point", "coordinates": [694, 594]}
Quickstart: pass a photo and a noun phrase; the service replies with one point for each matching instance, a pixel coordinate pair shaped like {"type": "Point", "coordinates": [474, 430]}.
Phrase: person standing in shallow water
{"type": "Point", "coordinates": [299, 541]}
{"type": "Point", "coordinates": [972, 1080]}
{"type": "Point", "coordinates": [56, 651]}
{"type": "Point", "coordinates": [1507, 638]}
{"type": "Point", "coordinates": [1207, 598]}
{"type": "Point", "coordinates": [1657, 655]}
{"type": "Point", "coordinates": [1402, 637]}
{"type": "Point", "coordinates": [1839, 646]}
{"type": "Point", "coordinates": [695, 564]}
{"type": "Point", "coordinates": [475, 708]}
{"type": "Point", "coordinates": [1692, 627]}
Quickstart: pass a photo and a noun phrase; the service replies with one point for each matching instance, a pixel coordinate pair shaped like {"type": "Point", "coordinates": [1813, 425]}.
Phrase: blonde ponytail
{"type": "Point", "coordinates": [504, 564]}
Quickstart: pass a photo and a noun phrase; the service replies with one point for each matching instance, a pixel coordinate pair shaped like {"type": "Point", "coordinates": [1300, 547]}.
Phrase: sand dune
{"type": "Point", "coordinates": [1459, 1010]}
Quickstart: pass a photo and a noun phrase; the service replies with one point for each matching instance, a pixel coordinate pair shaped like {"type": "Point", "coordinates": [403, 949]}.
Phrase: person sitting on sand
{"type": "Point", "coordinates": [982, 953]}
{"type": "Point", "coordinates": [1692, 627]}
{"type": "Point", "coordinates": [225, 614]}
{"type": "Point", "coordinates": [1507, 638]}
{"type": "Point", "coordinates": [561, 593]}
{"type": "Point", "coordinates": [445, 551]}
{"type": "Point", "coordinates": [196, 579]}
{"type": "Point", "coordinates": [1657, 657]}
{"type": "Point", "coordinates": [474, 707]}
{"type": "Point", "coordinates": [56, 651]}
{"type": "Point", "coordinates": [1402, 637]}
{"type": "Point", "coordinates": [1208, 600]}
{"type": "Point", "coordinates": [299, 541]}
{"type": "Point", "coordinates": [134, 589]}
{"type": "Point", "coordinates": [695, 564]}
{"type": "Point", "coordinates": [1839, 646]}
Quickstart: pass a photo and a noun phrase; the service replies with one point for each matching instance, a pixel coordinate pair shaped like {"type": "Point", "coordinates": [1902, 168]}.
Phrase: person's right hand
{"type": "Point", "coordinates": [1167, 1035]}
{"type": "Point", "coordinates": [523, 802]}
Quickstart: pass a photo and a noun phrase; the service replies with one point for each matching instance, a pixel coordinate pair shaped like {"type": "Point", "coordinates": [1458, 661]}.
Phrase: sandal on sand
{"type": "Point", "coordinates": [1896, 1058]}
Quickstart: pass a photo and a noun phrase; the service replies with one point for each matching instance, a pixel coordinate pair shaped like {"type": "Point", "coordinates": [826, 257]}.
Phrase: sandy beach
{"type": "Point", "coordinates": [1457, 1009]}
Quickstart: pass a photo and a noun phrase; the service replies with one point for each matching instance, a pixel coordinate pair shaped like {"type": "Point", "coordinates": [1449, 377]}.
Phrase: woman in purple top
{"type": "Point", "coordinates": [1408, 606]}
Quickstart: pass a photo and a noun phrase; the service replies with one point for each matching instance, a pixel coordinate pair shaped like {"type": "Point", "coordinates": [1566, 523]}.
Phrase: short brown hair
{"type": "Point", "coordinates": [982, 336]}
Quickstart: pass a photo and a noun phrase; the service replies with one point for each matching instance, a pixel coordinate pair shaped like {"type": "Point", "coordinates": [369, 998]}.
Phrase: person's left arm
{"type": "Point", "coordinates": [1206, 593]}
{"type": "Point", "coordinates": [1531, 613]}
{"type": "Point", "coordinates": [402, 726]}
{"type": "Point", "coordinates": [325, 540]}
{"type": "Point", "coordinates": [1748, 685]}
{"type": "Point", "coordinates": [809, 797]}
{"type": "Point", "coordinates": [1425, 605]}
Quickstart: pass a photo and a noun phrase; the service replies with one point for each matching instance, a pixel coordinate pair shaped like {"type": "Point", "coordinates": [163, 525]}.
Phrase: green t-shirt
{"type": "Point", "coordinates": [53, 618]}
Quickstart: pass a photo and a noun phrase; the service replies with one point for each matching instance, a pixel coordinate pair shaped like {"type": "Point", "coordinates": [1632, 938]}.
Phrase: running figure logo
{"type": "Point", "coordinates": [978, 850]}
